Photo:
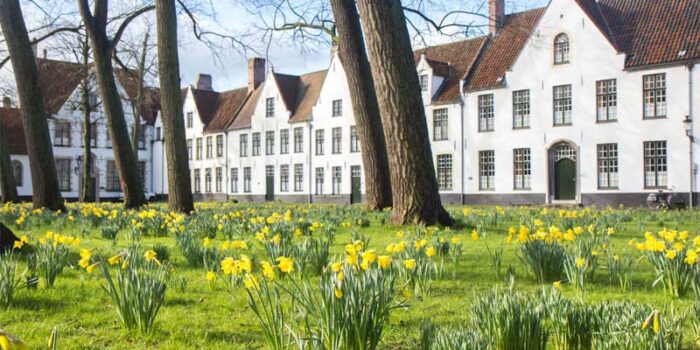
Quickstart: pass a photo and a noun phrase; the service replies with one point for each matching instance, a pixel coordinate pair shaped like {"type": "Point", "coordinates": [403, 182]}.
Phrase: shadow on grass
{"type": "Point", "coordinates": [31, 301]}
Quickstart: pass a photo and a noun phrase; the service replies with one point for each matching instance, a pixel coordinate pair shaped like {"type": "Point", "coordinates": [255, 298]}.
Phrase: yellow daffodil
{"type": "Point", "coordinates": [384, 261]}
{"type": "Point", "coordinates": [409, 264]}
{"type": "Point", "coordinates": [557, 285]}
{"type": "Point", "coordinates": [671, 254]}
{"type": "Point", "coordinates": [285, 264]}
{"type": "Point", "coordinates": [430, 252]}
{"type": "Point", "coordinates": [268, 270]}
{"type": "Point", "coordinates": [338, 266]}
{"type": "Point", "coordinates": [114, 260]}
{"type": "Point", "coordinates": [150, 255]}
{"type": "Point", "coordinates": [474, 235]}
{"type": "Point", "coordinates": [338, 293]}
{"type": "Point", "coordinates": [580, 262]}
{"type": "Point", "coordinates": [211, 276]}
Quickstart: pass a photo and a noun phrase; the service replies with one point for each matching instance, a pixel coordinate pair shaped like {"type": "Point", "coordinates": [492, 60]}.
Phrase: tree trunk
{"type": "Point", "coordinates": [124, 156]}
{"type": "Point", "coordinates": [416, 198]}
{"type": "Point", "coordinates": [138, 102]}
{"type": "Point", "coordinates": [85, 193]}
{"type": "Point", "coordinates": [8, 188]}
{"type": "Point", "coordinates": [46, 192]}
{"type": "Point", "coordinates": [179, 190]}
{"type": "Point", "coordinates": [353, 56]}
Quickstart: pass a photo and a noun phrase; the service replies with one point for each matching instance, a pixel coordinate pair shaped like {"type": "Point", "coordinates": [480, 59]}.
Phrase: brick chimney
{"type": "Point", "coordinates": [203, 82]}
{"type": "Point", "coordinates": [6, 102]}
{"type": "Point", "coordinates": [497, 12]}
{"type": "Point", "coordinates": [256, 72]}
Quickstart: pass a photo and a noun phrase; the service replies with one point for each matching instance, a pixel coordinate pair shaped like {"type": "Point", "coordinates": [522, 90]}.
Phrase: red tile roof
{"type": "Point", "coordinates": [14, 129]}
{"type": "Point", "coordinates": [227, 106]}
{"type": "Point", "coordinates": [654, 32]}
{"type": "Point", "coordinates": [501, 52]}
{"type": "Point", "coordinates": [452, 61]}
{"type": "Point", "coordinates": [308, 90]}
{"type": "Point", "coordinates": [244, 116]}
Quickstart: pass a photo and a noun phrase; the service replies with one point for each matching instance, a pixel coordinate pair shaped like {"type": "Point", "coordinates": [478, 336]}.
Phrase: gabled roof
{"type": "Point", "coordinates": [503, 50]}
{"type": "Point", "coordinates": [205, 101]}
{"type": "Point", "coordinates": [452, 61]}
{"type": "Point", "coordinates": [227, 106]}
{"type": "Point", "coordinates": [59, 79]}
{"type": "Point", "coordinates": [308, 90]}
{"type": "Point", "coordinates": [654, 32]}
{"type": "Point", "coordinates": [287, 85]}
{"type": "Point", "coordinates": [14, 129]}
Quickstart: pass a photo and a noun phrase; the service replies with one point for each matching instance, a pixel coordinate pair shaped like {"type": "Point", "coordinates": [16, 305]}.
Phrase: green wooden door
{"type": "Point", "coordinates": [565, 179]}
{"type": "Point", "coordinates": [270, 183]}
{"type": "Point", "coordinates": [355, 185]}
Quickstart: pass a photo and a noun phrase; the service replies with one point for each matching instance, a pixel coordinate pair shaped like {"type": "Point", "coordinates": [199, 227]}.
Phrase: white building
{"type": "Point", "coordinates": [581, 101]}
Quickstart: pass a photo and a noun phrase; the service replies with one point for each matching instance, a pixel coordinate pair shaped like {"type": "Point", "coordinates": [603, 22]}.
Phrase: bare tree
{"type": "Point", "coordinates": [46, 193]}
{"type": "Point", "coordinates": [416, 197]}
{"type": "Point", "coordinates": [179, 190]}
{"type": "Point", "coordinates": [103, 52]}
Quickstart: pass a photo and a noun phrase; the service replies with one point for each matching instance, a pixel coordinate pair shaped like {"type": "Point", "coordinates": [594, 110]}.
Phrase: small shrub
{"type": "Point", "coordinates": [543, 259]}
{"type": "Point", "coordinates": [51, 256]}
{"type": "Point", "coordinates": [191, 248]}
{"type": "Point", "coordinates": [433, 338]}
{"type": "Point", "coordinates": [10, 282]}
{"type": "Point", "coordinates": [162, 252]}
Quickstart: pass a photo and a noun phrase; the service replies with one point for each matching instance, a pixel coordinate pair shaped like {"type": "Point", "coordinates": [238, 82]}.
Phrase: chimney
{"type": "Point", "coordinates": [497, 12]}
{"type": "Point", "coordinates": [204, 82]}
{"type": "Point", "coordinates": [6, 102]}
{"type": "Point", "coordinates": [256, 72]}
{"type": "Point", "coordinates": [35, 48]}
{"type": "Point", "coordinates": [45, 53]}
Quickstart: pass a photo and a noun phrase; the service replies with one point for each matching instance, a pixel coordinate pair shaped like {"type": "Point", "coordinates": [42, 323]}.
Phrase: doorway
{"type": "Point", "coordinates": [355, 184]}
{"type": "Point", "coordinates": [564, 171]}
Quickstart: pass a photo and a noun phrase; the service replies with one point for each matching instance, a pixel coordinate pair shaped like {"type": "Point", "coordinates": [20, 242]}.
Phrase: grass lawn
{"type": "Point", "coordinates": [200, 315]}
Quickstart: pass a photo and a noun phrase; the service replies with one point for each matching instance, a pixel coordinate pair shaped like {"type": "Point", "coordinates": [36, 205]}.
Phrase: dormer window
{"type": "Point", "coordinates": [561, 49]}
{"type": "Point", "coordinates": [424, 82]}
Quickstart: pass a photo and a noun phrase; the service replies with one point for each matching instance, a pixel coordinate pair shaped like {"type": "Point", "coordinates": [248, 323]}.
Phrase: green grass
{"type": "Point", "coordinates": [201, 318]}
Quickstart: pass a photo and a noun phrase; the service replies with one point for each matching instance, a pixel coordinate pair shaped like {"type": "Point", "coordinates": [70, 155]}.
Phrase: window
{"type": "Point", "coordinates": [219, 180]}
{"type": "Point", "coordinates": [61, 134]}
{"type": "Point", "coordinates": [337, 140]}
{"type": "Point", "coordinates": [112, 177]}
{"type": "Point", "coordinates": [256, 144]}
{"type": "Point", "coordinates": [207, 180]}
{"type": "Point", "coordinates": [189, 149]}
{"type": "Point", "coordinates": [487, 170]}
{"type": "Point", "coordinates": [199, 148]}
{"type": "Point", "coordinates": [298, 177]}
{"type": "Point", "coordinates": [246, 179]}
{"type": "Point", "coordinates": [440, 124]}
{"type": "Point", "coordinates": [284, 141]}
{"type": "Point", "coordinates": [561, 49]}
{"type": "Point", "coordinates": [108, 138]}
{"type": "Point", "coordinates": [607, 166]}
{"type": "Point", "coordinates": [486, 112]}
{"type": "Point", "coordinates": [93, 134]}
{"type": "Point", "coordinates": [522, 169]}
{"type": "Point", "coordinates": [444, 172]}
{"type": "Point", "coordinates": [269, 143]}
{"type": "Point", "coordinates": [337, 108]}
{"type": "Point", "coordinates": [319, 142]}
{"type": "Point", "coordinates": [234, 180]}
{"type": "Point", "coordinates": [17, 173]}
{"type": "Point", "coordinates": [655, 96]}
{"type": "Point", "coordinates": [142, 137]}
{"type": "Point", "coordinates": [319, 181]}
{"type": "Point", "coordinates": [284, 178]}
{"type": "Point", "coordinates": [270, 107]}
{"type": "Point", "coordinates": [354, 140]}
{"type": "Point", "coordinates": [190, 119]}
{"type": "Point", "coordinates": [243, 145]}
{"type": "Point", "coordinates": [210, 147]}
{"type": "Point", "coordinates": [158, 132]}
{"type": "Point", "coordinates": [220, 145]}
{"type": "Point", "coordinates": [142, 173]}
{"type": "Point", "coordinates": [337, 178]}
{"type": "Point", "coordinates": [521, 109]}
{"type": "Point", "coordinates": [197, 181]}
{"type": "Point", "coordinates": [655, 165]}
{"type": "Point", "coordinates": [64, 171]}
{"type": "Point", "coordinates": [423, 82]}
{"type": "Point", "coordinates": [606, 92]}
{"type": "Point", "coordinates": [298, 140]}
{"type": "Point", "coordinates": [562, 105]}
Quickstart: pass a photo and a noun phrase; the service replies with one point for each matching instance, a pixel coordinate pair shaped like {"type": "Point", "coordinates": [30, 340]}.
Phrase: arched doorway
{"type": "Point", "coordinates": [563, 171]}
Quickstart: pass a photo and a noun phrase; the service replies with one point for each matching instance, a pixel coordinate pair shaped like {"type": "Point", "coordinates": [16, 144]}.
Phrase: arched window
{"type": "Point", "coordinates": [561, 49]}
{"type": "Point", "coordinates": [17, 172]}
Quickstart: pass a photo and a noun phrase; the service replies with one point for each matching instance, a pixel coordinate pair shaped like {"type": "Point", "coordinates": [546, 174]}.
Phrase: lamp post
{"type": "Point", "coordinates": [79, 164]}
{"type": "Point", "coordinates": [688, 126]}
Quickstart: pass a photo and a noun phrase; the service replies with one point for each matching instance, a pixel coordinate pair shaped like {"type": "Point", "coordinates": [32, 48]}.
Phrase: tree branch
{"type": "Point", "coordinates": [127, 20]}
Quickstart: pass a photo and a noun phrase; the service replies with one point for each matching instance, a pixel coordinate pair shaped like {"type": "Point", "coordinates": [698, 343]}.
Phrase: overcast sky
{"type": "Point", "coordinates": [228, 66]}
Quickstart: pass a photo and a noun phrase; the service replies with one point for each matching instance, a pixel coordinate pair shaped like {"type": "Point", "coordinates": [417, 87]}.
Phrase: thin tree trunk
{"type": "Point", "coordinates": [102, 51]}
{"type": "Point", "coordinates": [416, 197]}
{"type": "Point", "coordinates": [179, 193]}
{"type": "Point", "coordinates": [46, 192]}
{"type": "Point", "coordinates": [85, 193]}
{"type": "Point", "coordinates": [353, 56]}
{"type": "Point", "coordinates": [140, 96]}
{"type": "Point", "coordinates": [8, 188]}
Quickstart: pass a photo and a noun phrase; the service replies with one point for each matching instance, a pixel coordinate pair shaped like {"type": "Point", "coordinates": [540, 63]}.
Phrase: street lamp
{"type": "Point", "coordinates": [688, 126]}
{"type": "Point", "coordinates": [79, 163]}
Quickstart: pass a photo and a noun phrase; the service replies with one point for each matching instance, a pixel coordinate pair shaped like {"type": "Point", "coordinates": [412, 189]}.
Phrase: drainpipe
{"type": "Point", "coordinates": [462, 143]}
{"type": "Point", "coordinates": [691, 134]}
{"type": "Point", "coordinates": [310, 158]}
